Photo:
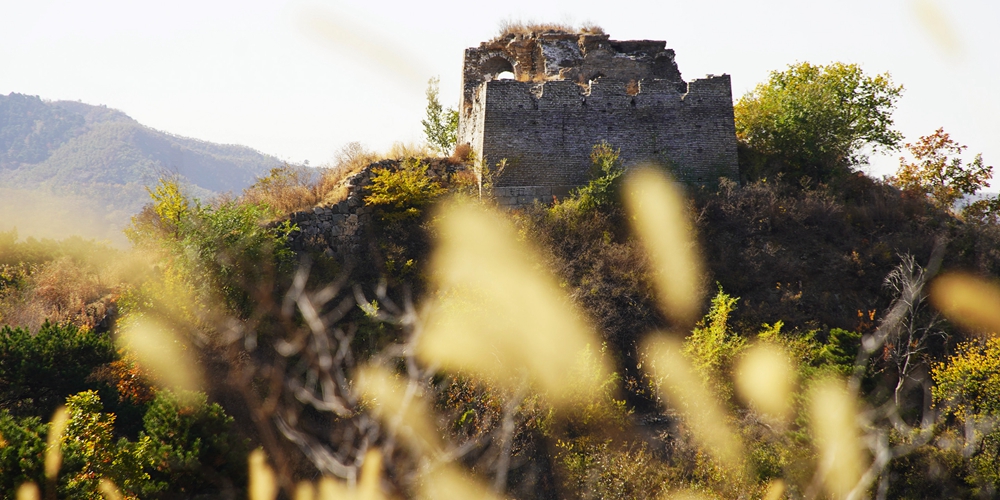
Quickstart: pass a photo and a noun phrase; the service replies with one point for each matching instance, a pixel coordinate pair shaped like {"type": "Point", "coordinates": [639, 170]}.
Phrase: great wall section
{"type": "Point", "coordinates": [566, 92]}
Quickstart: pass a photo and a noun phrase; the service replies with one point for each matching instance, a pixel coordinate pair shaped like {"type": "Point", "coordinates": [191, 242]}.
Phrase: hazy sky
{"type": "Point", "coordinates": [298, 79]}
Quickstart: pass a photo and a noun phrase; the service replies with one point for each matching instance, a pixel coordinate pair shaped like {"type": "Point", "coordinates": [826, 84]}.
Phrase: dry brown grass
{"type": "Point", "coordinates": [285, 189]}
{"type": "Point", "coordinates": [462, 154]}
{"type": "Point", "coordinates": [404, 150]}
{"type": "Point", "coordinates": [62, 290]}
{"type": "Point", "coordinates": [591, 28]}
{"type": "Point", "coordinates": [289, 189]}
{"type": "Point", "coordinates": [520, 27]}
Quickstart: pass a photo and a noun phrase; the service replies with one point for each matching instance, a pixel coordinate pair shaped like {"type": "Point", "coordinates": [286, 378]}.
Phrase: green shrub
{"type": "Point", "coordinates": [189, 447]}
{"type": "Point", "coordinates": [712, 345]}
{"type": "Point", "coordinates": [606, 175]}
{"type": "Point", "coordinates": [38, 372]}
{"type": "Point", "coordinates": [90, 451]}
{"type": "Point", "coordinates": [399, 199]}
{"type": "Point", "coordinates": [401, 195]}
{"type": "Point", "coordinates": [223, 249]}
{"type": "Point", "coordinates": [22, 450]}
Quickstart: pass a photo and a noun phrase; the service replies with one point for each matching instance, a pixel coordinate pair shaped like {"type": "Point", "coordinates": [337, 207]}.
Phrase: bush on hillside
{"type": "Point", "coordinates": [189, 447]}
{"type": "Point", "coordinates": [38, 371]}
{"type": "Point", "coordinates": [606, 175]}
{"type": "Point", "coordinates": [400, 199]}
{"type": "Point", "coordinates": [401, 195]}
{"type": "Point", "coordinates": [286, 189]}
{"type": "Point", "coordinates": [72, 280]}
{"type": "Point", "coordinates": [222, 248]}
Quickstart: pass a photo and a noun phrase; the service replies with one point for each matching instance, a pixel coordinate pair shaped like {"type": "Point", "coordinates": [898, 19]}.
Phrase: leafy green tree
{"type": "Point", "coordinates": [937, 171]}
{"type": "Point", "coordinates": [440, 125]}
{"type": "Point", "coordinates": [37, 372]}
{"type": "Point", "coordinates": [815, 121]}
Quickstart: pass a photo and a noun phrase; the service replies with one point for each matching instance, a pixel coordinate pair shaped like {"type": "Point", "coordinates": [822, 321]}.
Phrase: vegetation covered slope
{"type": "Point", "coordinates": [787, 337]}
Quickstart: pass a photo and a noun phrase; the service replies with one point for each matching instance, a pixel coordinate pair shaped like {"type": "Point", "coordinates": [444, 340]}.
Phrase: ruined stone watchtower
{"type": "Point", "coordinates": [566, 92]}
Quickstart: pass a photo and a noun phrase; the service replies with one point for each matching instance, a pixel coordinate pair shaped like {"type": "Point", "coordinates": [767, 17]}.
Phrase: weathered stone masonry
{"type": "Point", "coordinates": [341, 229]}
{"type": "Point", "coordinates": [572, 91]}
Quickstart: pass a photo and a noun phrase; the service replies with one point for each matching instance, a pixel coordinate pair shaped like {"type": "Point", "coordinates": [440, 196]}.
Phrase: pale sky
{"type": "Point", "coordinates": [298, 79]}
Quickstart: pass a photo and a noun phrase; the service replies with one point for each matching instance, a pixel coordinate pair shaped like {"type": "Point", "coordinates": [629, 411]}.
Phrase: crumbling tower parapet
{"type": "Point", "coordinates": [566, 92]}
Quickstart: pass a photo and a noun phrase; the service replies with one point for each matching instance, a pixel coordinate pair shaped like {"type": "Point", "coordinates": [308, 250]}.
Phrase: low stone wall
{"type": "Point", "coordinates": [339, 230]}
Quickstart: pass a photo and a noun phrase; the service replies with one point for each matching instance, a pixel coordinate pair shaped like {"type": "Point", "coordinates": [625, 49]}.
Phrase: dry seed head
{"type": "Point", "coordinates": [53, 446]}
{"type": "Point", "coordinates": [685, 495]}
{"type": "Point", "coordinates": [108, 490]}
{"type": "Point", "coordinates": [500, 315]}
{"type": "Point", "coordinates": [333, 489]}
{"type": "Point", "coordinates": [834, 423]}
{"type": "Point", "coordinates": [164, 353]}
{"type": "Point", "coordinates": [335, 30]}
{"type": "Point", "coordinates": [680, 384]}
{"type": "Point", "coordinates": [263, 485]}
{"type": "Point", "coordinates": [448, 482]}
{"type": "Point", "coordinates": [938, 26]}
{"type": "Point", "coordinates": [371, 476]}
{"type": "Point", "coordinates": [305, 491]}
{"type": "Point", "coordinates": [775, 490]}
{"type": "Point", "coordinates": [656, 209]}
{"type": "Point", "coordinates": [28, 491]}
{"type": "Point", "coordinates": [765, 380]}
{"type": "Point", "coordinates": [967, 300]}
{"type": "Point", "coordinates": [401, 408]}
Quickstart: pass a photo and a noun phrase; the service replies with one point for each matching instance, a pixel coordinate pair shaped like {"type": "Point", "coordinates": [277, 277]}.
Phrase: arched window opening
{"type": "Point", "coordinates": [495, 67]}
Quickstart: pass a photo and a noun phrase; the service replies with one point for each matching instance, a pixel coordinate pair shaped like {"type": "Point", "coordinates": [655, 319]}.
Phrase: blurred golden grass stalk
{"type": "Point", "coordinates": [167, 356]}
{"type": "Point", "coordinates": [969, 301]}
{"type": "Point", "coordinates": [53, 445]}
{"type": "Point", "coordinates": [449, 482]}
{"type": "Point", "coordinates": [679, 383]}
{"type": "Point", "coordinates": [109, 490]}
{"type": "Point", "coordinates": [765, 380]}
{"type": "Point", "coordinates": [833, 416]}
{"type": "Point", "coordinates": [938, 26]}
{"type": "Point", "coordinates": [263, 484]}
{"type": "Point", "coordinates": [401, 406]}
{"type": "Point", "coordinates": [366, 43]}
{"type": "Point", "coordinates": [28, 491]}
{"type": "Point", "coordinates": [656, 209]}
{"type": "Point", "coordinates": [328, 488]}
{"type": "Point", "coordinates": [500, 315]}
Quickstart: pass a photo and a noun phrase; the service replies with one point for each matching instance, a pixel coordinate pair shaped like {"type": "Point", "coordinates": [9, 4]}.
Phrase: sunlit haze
{"type": "Point", "coordinates": [300, 79]}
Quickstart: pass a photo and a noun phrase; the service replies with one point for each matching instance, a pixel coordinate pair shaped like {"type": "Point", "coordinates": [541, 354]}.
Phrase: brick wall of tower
{"type": "Point", "coordinates": [546, 130]}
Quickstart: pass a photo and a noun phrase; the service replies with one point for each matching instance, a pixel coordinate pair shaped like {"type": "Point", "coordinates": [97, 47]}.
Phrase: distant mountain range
{"type": "Point", "coordinates": [63, 159]}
